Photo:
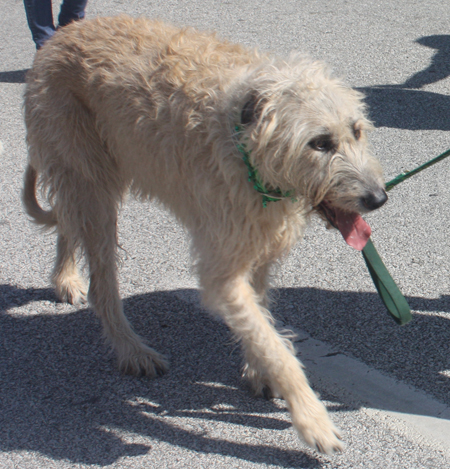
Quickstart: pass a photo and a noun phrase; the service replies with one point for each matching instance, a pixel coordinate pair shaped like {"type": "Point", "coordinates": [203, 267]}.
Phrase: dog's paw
{"type": "Point", "coordinates": [316, 428]}
{"type": "Point", "coordinates": [143, 362]}
{"type": "Point", "coordinates": [71, 290]}
{"type": "Point", "coordinates": [324, 438]}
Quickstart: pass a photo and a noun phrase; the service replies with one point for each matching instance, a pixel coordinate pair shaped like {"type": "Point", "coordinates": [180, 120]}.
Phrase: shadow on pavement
{"type": "Point", "coordinates": [406, 106]}
{"type": "Point", "coordinates": [14, 76]}
{"type": "Point", "coordinates": [357, 324]}
{"type": "Point", "coordinates": [63, 397]}
{"type": "Point", "coordinates": [439, 67]}
{"type": "Point", "coordinates": [400, 108]}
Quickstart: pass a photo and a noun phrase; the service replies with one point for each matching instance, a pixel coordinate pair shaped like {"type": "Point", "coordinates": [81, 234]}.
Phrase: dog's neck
{"type": "Point", "coordinates": [267, 196]}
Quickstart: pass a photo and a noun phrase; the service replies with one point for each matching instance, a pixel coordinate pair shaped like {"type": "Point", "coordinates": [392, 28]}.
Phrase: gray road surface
{"type": "Point", "coordinates": [62, 402]}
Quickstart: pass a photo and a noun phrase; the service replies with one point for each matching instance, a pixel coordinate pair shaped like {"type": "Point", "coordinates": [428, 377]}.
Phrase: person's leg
{"type": "Point", "coordinates": [40, 20]}
{"type": "Point", "coordinates": [71, 10]}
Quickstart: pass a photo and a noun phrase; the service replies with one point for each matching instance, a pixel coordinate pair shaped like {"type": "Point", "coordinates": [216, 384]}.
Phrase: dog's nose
{"type": "Point", "coordinates": [374, 199]}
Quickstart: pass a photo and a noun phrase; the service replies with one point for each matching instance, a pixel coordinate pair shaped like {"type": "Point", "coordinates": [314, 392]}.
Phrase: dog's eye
{"type": "Point", "coordinates": [322, 143]}
{"type": "Point", "coordinates": [357, 133]}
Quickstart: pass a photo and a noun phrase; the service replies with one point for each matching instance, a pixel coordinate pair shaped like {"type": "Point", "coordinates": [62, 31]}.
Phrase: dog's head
{"type": "Point", "coordinates": [307, 134]}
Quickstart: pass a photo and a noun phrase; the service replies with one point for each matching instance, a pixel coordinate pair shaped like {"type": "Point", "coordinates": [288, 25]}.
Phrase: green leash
{"type": "Point", "coordinates": [389, 293]}
{"type": "Point", "coordinates": [407, 174]}
{"type": "Point", "coordinates": [387, 289]}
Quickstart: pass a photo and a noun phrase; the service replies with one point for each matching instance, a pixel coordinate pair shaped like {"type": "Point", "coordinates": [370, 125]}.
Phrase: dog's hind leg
{"type": "Point", "coordinates": [69, 285]}
{"type": "Point", "coordinates": [99, 243]}
{"type": "Point", "coordinates": [86, 188]}
{"type": "Point", "coordinates": [87, 217]}
{"type": "Point", "coordinates": [271, 357]}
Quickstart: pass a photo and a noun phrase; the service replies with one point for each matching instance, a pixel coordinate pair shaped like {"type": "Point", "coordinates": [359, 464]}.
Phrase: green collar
{"type": "Point", "coordinates": [253, 176]}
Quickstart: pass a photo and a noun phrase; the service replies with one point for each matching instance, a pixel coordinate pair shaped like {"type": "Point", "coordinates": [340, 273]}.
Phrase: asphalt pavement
{"type": "Point", "coordinates": [63, 404]}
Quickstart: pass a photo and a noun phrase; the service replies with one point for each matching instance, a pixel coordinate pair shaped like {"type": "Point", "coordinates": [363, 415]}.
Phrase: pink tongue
{"type": "Point", "coordinates": [353, 228]}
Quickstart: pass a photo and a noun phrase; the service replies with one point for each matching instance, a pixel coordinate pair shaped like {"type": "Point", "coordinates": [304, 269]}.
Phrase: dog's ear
{"type": "Point", "coordinates": [251, 110]}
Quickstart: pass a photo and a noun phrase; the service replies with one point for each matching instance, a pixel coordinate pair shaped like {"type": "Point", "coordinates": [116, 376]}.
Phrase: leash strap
{"type": "Point", "coordinates": [388, 291]}
{"type": "Point", "coordinates": [407, 174]}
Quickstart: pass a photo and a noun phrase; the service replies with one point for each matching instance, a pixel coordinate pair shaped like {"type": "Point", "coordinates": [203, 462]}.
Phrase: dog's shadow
{"type": "Point", "coordinates": [63, 397]}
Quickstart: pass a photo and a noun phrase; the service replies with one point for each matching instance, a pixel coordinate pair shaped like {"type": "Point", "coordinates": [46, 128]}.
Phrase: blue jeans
{"type": "Point", "coordinates": [40, 17]}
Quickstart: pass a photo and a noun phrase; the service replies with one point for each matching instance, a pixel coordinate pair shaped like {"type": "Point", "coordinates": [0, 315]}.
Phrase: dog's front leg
{"type": "Point", "coordinates": [271, 358]}
{"type": "Point", "coordinates": [260, 283]}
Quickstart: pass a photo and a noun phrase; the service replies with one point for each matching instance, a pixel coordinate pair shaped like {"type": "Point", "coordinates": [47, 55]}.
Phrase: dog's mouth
{"type": "Point", "coordinates": [352, 226]}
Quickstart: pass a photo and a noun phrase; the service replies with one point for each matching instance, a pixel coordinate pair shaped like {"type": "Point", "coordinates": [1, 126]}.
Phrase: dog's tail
{"type": "Point", "coordinates": [40, 216]}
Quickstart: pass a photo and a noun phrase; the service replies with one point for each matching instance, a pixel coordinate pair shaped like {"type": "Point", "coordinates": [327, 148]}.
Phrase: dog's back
{"type": "Point", "coordinates": [140, 92]}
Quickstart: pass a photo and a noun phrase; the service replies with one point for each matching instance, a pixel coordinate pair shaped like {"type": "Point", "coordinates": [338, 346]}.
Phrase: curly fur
{"type": "Point", "coordinates": [120, 104]}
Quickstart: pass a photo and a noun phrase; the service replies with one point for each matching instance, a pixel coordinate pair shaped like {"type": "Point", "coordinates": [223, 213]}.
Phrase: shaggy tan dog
{"type": "Point", "coordinates": [119, 104]}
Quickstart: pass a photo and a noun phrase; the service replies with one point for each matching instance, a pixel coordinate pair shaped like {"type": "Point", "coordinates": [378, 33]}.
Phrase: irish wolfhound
{"type": "Point", "coordinates": [121, 104]}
